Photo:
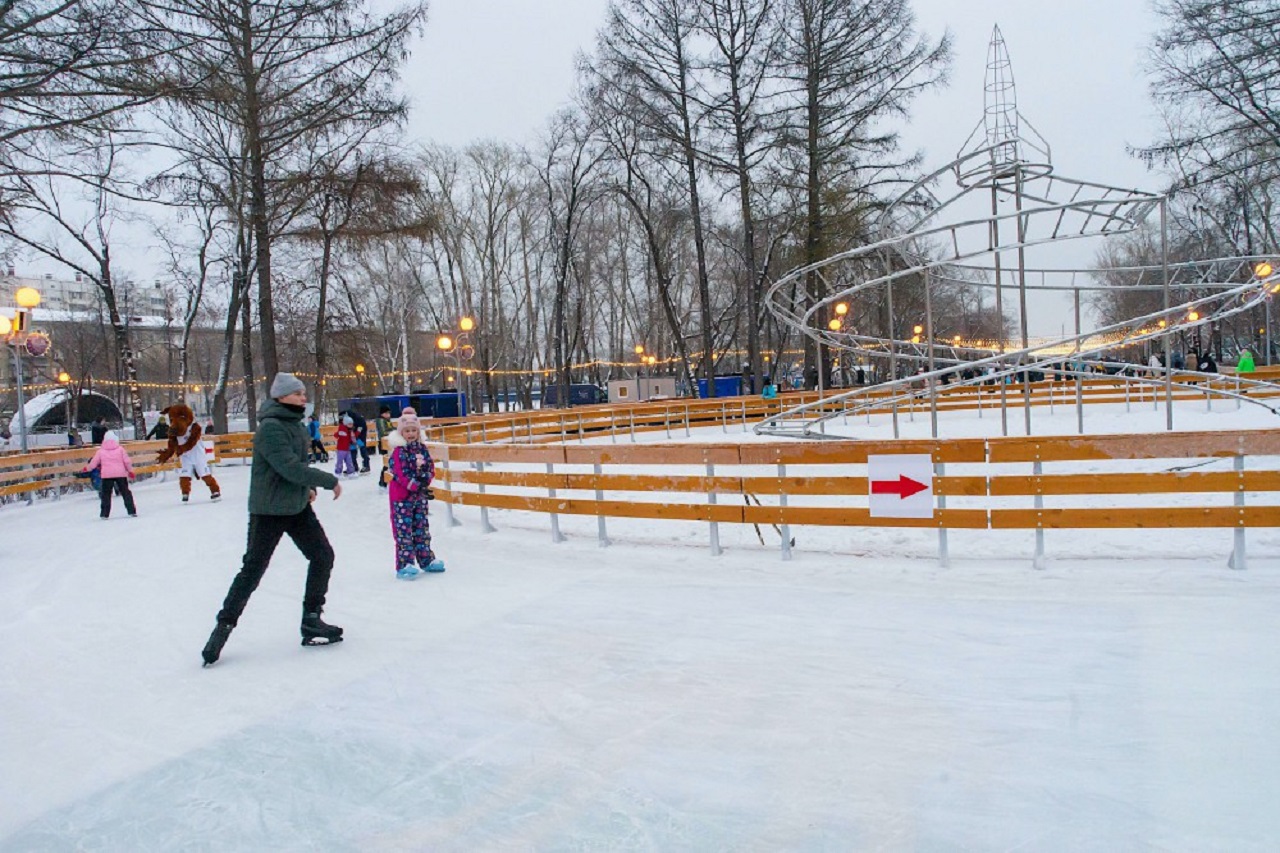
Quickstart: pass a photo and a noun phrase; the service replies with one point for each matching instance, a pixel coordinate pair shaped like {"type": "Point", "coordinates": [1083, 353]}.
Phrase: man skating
{"type": "Point", "coordinates": [282, 487]}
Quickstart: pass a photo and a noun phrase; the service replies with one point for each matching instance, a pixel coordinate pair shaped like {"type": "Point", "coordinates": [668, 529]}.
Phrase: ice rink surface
{"type": "Point", "coordinates": [644, 696]}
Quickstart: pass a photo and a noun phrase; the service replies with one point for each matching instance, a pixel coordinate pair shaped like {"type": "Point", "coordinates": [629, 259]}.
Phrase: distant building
{"type": "Point", "coordinates": [77, 294]}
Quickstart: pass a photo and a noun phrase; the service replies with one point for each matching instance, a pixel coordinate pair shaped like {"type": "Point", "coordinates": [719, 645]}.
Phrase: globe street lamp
{"type": "Point", "coordinates": [454, 342]}
{"type": "Point", "coordinates": [18, 334]}
{"type": "Point", "coordinates": [360, 378]}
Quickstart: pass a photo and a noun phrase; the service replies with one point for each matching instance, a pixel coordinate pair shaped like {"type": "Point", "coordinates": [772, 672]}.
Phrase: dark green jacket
{"type": "Point", "coordinates": [281, 481]}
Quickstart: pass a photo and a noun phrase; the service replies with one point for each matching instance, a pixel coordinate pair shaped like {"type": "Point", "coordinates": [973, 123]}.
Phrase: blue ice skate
{"type": "Point", "coordinates": [436, 565]}
{"type": "Point", "coordinates": [408, 573]}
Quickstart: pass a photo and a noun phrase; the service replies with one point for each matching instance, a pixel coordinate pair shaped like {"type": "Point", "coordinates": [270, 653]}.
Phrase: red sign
{"type": "Point", "coordinates": [903, 487]}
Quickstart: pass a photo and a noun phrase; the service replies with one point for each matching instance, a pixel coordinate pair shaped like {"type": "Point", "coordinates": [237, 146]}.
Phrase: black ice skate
{"type": "Point", "coordinates": [315, 632]}
{"type": "Point", "coordinates": [218, 639]}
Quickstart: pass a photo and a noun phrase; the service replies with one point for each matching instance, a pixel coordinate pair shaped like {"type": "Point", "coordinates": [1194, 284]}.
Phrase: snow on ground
{"type": "Point", "coordinates": [645, 696]}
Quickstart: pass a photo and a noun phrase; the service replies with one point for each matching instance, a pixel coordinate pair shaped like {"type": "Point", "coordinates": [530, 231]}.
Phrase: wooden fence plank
{"type": "Point", "coordinates": [1178, 445]}
{"type": "Point", "coordinates": [1163, 482]}
{"type": "Point", "coordinates": [1135, 517]}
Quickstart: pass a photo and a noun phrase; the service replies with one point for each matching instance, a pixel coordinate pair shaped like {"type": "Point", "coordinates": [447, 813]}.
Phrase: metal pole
{"type": "Point", "coordinates": [556, 536]}
{"type": "Point", "coordinates": [22, 400]}
{"type": "Point", "coordinates": [928, 336]}
{"type": "Point", "coordinates": [485, 526]}
{"type": "Point", "coordinates": [448, 505]}
{"type": "Point", "coordinates": [1266, 311]}
{"type": "Point", "coordinates": [457, 380]}
{"type": "Point", "coordinates": [995, 247]}
{"type": "Point", "coordinates": [1079, 369]}
{"type": "Point", "coordinates": [893, 344]}
{"type": "Point", "coordinates": [1038, 561]}
{"type": "Point", "coordinates": [1237, 560]}
{"type": "Point", "coordinates": [944, 552]}
{"type": "Point", "coordinates": [602, 531]}
{"type": "Point", "coordinates": [711, 499]}
{"type": "Point", "coordinates": [783, 528]}
{"type": "Point", "coordinates": [1164, 278]}
{"type": "Point", "coordinates": [1022, 297]}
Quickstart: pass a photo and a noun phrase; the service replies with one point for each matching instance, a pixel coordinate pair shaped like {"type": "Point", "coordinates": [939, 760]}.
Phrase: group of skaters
{"type": "Point", "coordinates": [110, 470]}
{"type": "Point", "coordinates": [283, 484]}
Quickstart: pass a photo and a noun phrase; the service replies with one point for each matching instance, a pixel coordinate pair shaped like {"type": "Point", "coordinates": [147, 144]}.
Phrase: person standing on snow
{"type": "Point", "coordinates": [113, 463]}
{"type": "Point", "coordinates": [282, 487]}
{"type": "Point", "coordinates": [160, 432]}
{"type": "Point", "coordinates": [359, 441]}
{"type": "Point", "coordinates": [318, 453]}
{"type": "Point", "coordinates": [384, 427]}
{"type": "Point", "coordinates": [344, 464]}
{"type": "Point", "coordinates": [411, 473]}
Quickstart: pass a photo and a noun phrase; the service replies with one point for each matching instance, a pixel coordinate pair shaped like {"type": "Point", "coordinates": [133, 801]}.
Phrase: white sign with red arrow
{"type": "Point", "coordinates": [900, 485]}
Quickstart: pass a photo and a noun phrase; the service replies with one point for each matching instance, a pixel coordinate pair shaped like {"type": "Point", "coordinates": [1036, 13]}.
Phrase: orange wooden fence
{"type": "Point", "coordinates": [581, 462]}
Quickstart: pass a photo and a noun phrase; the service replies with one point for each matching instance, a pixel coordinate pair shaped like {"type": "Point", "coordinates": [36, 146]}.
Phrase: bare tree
{"type": "Point", "coordinates": [287, 78]}
{"type": "Point", "coordinates": [192, 263]}
{"type": "Point", "coordinates": [570, 157]}
{"type": "Point", "coordinates": [66, 65]}
{"type": "Point", "coordinates": [79, 238]}
{"type": "Point", "coordinates": [849, 67]}
{"type": "Point", "coordinates": [645, 52]}
{"type": "Point", "coordinates": [745, 38]}
{"type": "Point", "coordinates": [1215, 65]}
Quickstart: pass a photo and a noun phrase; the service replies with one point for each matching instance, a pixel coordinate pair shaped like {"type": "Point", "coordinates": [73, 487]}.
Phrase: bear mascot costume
{"type": "Point", "coordinates": [184, 442]}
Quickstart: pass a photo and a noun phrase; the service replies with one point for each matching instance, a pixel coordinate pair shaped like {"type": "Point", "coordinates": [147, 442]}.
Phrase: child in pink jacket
{"type": "Point", "coordinates": [117, 471]}
{"type": "Point", "coordinates": [412, 471]}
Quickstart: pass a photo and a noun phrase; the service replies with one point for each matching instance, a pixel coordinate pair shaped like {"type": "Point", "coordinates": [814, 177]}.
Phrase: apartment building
{"type": "Point", "coordinates": [78, 295]}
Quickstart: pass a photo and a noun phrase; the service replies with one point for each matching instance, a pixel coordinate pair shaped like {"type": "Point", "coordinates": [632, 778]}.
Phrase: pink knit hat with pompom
{"type": "Point", "coordinates": [408, 417]}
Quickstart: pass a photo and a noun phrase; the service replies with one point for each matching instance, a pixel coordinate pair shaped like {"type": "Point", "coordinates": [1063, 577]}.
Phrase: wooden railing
{"type": "Point", "coordinates": [541, 462]}
{"type": "Point", "coordinates": [1039, 483]}
{"type": "Point", "coordinates": [680, 415]}
{"type": "Point", "coordinates": [53, 470]}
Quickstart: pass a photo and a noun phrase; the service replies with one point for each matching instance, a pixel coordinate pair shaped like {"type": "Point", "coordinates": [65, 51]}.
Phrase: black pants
{"type": "Point", "coordinates": [116, 484]}
{"type": "Point", "coordinates": [264, 534]}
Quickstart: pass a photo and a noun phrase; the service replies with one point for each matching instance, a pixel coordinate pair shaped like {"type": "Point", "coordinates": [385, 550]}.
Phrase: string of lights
{"type": "Point", "coordinates": [1117, 339]}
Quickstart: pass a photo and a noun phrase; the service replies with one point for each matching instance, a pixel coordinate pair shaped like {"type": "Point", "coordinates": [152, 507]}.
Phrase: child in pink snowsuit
{"type": "Point", "coordinates": [117, 472]}
{"type": "Point", "coordinates": [412, 470]}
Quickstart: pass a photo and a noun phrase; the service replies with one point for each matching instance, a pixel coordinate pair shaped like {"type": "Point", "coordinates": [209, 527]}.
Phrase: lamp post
{"type": "Point", "coordinates": [64, 379]}
{"type": "Point", "coordinates": [640, 355]}
{"type": "Point", "coordinates": [450, 342]}
{"type": "Point", "coordinates": [17, 333]}
{"type": "Point", "coordinates": [360, 379]}
{"type": "Point", "coordinates": [1263, 270]}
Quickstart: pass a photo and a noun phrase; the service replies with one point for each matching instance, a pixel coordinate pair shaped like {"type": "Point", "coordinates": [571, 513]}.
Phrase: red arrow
{"type": "Point", "coordinates": [903, 487]}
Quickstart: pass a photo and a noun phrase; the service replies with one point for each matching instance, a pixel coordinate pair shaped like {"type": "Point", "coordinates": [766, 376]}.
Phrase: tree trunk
{"type": "Point", "coordinates": [246, 354]}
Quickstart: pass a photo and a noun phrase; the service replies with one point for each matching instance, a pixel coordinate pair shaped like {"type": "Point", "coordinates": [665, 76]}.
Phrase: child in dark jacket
{"type": "Point", "coordinates": [412, 470]}
{"type": "Point", "coordinates": [117, 472]}
{"type": "Point", "coordinates": [317, 453]}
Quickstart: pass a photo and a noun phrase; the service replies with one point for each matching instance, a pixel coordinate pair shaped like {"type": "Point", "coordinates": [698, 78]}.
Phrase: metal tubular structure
{"type": "Point", "coordinates": [1047, 209]}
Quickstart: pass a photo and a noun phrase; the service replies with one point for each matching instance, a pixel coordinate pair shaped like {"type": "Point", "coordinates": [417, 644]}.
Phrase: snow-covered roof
{"type": "Point", "coordinates": [135, 321]}
{"type": "Point", "coordinates": [42, 404]}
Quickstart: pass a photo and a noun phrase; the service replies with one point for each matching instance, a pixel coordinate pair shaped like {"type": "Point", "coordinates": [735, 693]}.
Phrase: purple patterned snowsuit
{"type": "Point", "coordinates": [412, 470]}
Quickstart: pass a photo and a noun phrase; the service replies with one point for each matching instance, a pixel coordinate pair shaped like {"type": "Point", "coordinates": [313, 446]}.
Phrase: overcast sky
{"type": "Point", "coordinates": [497, 69]}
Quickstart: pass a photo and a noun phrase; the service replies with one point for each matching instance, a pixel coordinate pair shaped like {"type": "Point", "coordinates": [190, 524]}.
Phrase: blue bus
{"type": "Point", "coordinates": [450, 404]}
{"type": "Point", "coordinates": [580, 394]}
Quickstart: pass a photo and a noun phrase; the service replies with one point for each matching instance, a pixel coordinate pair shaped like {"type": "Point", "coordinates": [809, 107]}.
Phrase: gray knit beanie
{"type": "Point", "coordinates": [285, 384]}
